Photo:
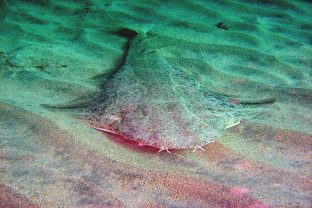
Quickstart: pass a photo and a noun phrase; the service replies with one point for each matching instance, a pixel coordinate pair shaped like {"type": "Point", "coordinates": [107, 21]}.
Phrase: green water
{"type": "Point", "coordinates": [170, 74]}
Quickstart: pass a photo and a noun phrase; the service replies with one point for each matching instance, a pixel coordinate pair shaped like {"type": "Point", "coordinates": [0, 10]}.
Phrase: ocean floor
{"type": "Point", "coordinates": [155, 103]}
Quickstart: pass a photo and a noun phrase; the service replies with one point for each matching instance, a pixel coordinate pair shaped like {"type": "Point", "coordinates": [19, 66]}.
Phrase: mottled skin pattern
{"type": "Point", "coordinates": [150, 99]}
{"type": "Point", "coordinates": [50, 51]}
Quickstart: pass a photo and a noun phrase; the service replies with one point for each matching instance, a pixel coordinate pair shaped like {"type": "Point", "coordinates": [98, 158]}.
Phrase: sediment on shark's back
{"type": "Point", "coordinates": [159, 103]}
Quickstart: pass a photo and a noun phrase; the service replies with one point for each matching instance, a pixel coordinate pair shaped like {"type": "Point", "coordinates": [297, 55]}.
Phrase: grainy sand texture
{"type": "Point", "coordinates": [90, 91]}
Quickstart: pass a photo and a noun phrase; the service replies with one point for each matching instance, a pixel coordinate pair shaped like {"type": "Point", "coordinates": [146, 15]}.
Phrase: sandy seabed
{"type": "Point", "coordinates": [54, 52]}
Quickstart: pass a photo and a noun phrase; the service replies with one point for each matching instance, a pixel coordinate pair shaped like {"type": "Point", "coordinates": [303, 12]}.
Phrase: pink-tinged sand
{"type": "Point", "coordinates": [64, 168]}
